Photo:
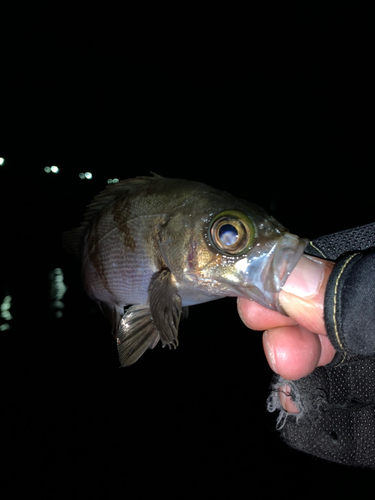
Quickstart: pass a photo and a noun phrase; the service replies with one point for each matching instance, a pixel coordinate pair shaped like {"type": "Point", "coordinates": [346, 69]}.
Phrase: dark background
{"type": "Point", "coordinates": [271, 105]}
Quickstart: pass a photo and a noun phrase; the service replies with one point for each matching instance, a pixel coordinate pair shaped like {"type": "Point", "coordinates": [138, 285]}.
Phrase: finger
{"type": "Point", "coordinates": [327, 353]}
{"type": "Point", "coordinates": [294, 352]}
{"type": "Point", "coordinates": [258, 317]}
{"type": "Point", "coordinates": [302, 296]}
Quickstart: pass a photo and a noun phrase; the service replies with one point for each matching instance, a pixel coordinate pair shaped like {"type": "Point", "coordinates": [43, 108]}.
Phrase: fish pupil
{"type": "Point", "coordinates": [228, 234]}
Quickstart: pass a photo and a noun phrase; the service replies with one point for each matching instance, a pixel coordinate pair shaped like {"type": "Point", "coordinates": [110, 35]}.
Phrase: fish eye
{"type": "Point", "coordinates": [232, 232]}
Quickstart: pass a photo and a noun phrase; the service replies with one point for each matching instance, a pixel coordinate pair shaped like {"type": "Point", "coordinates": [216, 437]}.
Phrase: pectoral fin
{"type": "Point", "coordinates": [165, 306]}
{"type": "Point", "coordinates": [136, 334]}
{"type": "Point", "coordinates": [142, 326]}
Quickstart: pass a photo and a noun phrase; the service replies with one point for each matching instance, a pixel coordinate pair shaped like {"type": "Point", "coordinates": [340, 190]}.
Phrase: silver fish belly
{"type": "Point", "coordinates": [160, 245]}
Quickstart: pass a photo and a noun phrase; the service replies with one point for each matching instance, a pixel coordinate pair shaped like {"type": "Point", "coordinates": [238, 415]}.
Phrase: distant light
{"type": "Point", "coordinates": [1, 161]}
{"type": "Point", "coordinates": [53, 169]}
{"type": "Point", "coordinates": [5, 313]}
{"type": "Point", "coordinates": [85, 175]}
{"type": "Point", "coordinates": [57, 291]}
{"type": "Point", "coordinates": [5, 308]}
{"type": "Point", "coordinates": [112, 181]}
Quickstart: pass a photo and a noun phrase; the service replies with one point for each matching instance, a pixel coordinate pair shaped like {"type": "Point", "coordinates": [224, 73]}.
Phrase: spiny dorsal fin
{"type": "Point", "coordinates": [72, 239]}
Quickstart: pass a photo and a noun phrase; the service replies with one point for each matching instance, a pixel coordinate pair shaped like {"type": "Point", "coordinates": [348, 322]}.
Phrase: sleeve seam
{"type": "Point", "coordinates": [335, 307]}
{"type": "Point", "coordinates": [318, 249]}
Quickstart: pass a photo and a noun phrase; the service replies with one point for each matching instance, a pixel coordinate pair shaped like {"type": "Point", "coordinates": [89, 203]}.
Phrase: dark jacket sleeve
{"type": "Point", "coordinates": [349, 309]}
{"type": "Point", "coordinates": [336, 403]}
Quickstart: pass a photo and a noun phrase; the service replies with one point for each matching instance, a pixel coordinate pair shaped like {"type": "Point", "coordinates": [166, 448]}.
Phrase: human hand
{"type": "Point", "coordinates": [295, 344]}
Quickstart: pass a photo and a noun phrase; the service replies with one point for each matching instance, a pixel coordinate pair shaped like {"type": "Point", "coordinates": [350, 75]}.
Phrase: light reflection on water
{"type": "Point", "coordinates": [5, 313]}
{"type": "Point", "coordinates": [57, 291]}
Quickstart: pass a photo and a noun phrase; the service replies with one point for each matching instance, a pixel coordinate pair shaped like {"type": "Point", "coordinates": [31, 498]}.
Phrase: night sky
{"type": "Point", "coordinates": [269, 105]}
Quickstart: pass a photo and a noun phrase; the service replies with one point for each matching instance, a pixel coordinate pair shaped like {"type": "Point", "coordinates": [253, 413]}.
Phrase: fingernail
{"type": "Point", "coordinates": [306, 277]}
{"type": "Point", "coordinates": [270, 353]}
{"type": "Point", "coordinates": [285, 399]}
{"type": "Point", "coordinates": [282, 394]}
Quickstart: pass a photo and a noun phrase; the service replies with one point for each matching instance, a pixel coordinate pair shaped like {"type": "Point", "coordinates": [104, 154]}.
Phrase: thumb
{"type": "Point", "coordinates": [302, 296]}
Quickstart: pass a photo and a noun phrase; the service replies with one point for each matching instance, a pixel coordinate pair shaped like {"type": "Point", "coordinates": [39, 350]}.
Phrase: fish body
{"type": "Point", "coordinates": [161, 245]}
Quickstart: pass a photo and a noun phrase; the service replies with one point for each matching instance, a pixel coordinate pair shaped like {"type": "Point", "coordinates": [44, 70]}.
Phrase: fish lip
{"type": "Point", "coordinates": [288, 251]}
{"type": "Point", "coordinates": [266, 275]}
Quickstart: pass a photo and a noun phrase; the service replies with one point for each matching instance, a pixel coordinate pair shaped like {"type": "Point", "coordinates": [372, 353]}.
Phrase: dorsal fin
{"type": "Point", "coordinates": [72, 239]}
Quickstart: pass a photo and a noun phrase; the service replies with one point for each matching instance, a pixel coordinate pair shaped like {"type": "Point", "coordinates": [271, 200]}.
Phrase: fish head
{"type": "Point", "coordinates": [241, 251]}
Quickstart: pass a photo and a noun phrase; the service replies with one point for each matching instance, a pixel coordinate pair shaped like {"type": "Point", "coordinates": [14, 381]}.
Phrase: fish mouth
{"type": "Point", "coordinates": [288, 251]}
{"type": "Point", "coordinates": [267, 274]}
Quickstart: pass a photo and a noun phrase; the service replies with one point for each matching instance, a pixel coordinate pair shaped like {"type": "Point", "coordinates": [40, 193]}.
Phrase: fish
{"type": "Point", "coordinates": [152, 246]}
